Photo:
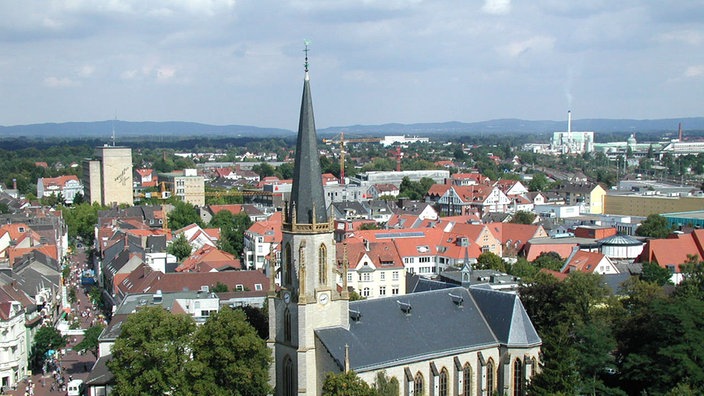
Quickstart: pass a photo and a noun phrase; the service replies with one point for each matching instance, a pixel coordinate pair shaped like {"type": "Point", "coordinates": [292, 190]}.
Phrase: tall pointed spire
{"type": "Point", "coordinates": [307, 196]}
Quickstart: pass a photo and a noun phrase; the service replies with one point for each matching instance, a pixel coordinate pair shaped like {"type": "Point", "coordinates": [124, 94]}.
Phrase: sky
{"type": "Point", "coordinates": [371, 61]}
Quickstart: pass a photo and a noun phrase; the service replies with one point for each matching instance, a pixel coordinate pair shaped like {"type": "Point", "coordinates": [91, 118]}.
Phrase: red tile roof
{"type": "Point", "coordinates": [208, 258]}
{"type": "Point", "coordinates": [674, 251]}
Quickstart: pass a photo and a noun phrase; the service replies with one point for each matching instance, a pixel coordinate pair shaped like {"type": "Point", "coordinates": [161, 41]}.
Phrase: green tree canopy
{"type": "Point", "coordinates": [549, 260]}
{"type": "Point", "coordinates": [151, 355]}
{"type": "Point", "coordinates": [415, 190]}
{"type": "Point", "coordinates": [654, 226]}
{"type": "Point", "coordinates": [489, 260]}
{"type": "Point", "coordinates": [230, 356]}
{"type": "Point", "coordinates": [182, 215]}
{"type": "Point", "coordinates": [90, 340]}
{"type": "Point", "coordinates": [346, 384]}
{"type": "Point", "coordinates": [47, 338]}
{"type": "Point", "coordinates": [180, 247]}
{"type": "Point", "coordinates": [232, 229]}
{"type": "Point", "coordinates": [523, 217]}
{"type": "Point", "coordinates": [654, 273]}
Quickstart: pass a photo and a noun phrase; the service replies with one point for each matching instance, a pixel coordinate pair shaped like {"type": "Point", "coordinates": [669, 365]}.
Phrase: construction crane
{"type": "Point", "coordinates": [341, 140]}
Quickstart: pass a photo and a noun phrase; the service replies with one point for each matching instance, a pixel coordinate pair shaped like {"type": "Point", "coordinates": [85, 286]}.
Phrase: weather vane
{"type": "Point", "coordinates": [306, 43]}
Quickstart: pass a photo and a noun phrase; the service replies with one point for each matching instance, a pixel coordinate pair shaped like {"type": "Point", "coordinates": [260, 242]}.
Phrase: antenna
{"type": "Point", "coordinates": [306, 43]}
{"type": "Point", "coordinates": [113, 130]}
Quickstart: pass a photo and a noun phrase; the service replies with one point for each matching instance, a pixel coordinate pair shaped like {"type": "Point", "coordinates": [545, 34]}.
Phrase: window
{"type": "Point", "coordinates": [257, 286]}
{"type": "Point", "coordinates": [517, 378]}
{"type": "Point", "coordinates": [443, 382]}
{"type": "Point", "coordinates": [349, 277]}
{"type": "Point", "coordinates": [490, 377]}
{"type": "Point", "coordinates": [394, 290]}
{"type": "Point", "coordinates": [418, 385]}
{"type": "Point", "coordinates": [289, 382]}
{"type": "Point", "coordinates": [394, 275]}
{"type": "Point", "coordinates": [366, 292]}
{"type": "Point", "coordinates": [467, 380]}
{"type": "Point", "coordinates": [322, 265]}
{"type": "Point", "coordinates": [382, 276]}
{"type": "Point", "coordinates": [239, 287]}
{"type": "Point", "coordinates": [366, 277]}
{"type": "Point", "coordinates": [382, 290]}
{"type": "Point", "coordinates": [424, 259]}
{"type": "Point", "coordinates": [287, 325]}
{"type": "Point", "coordinates": [288, 268]}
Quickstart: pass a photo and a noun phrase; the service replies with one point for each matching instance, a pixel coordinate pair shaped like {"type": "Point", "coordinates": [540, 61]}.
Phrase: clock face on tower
{"type": "Point", "coordinates": [287, 297]}
{"type": "Point", "coordinates": [323, 298]}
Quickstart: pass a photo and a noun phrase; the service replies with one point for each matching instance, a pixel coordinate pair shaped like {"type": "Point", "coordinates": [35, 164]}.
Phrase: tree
{"type": "Point", "coordinates": [549, 260]}
{"type": "Point", "coordinates": [654, 226]}
{"type": "Point", "coordinates": [152, 352]}
{"type": "Point", "coordinates": [263, 170]}
{"type": "Point", "coordinates": [415, 190]}
{"type": "Point", "coordinates": [230, 356]}
{"type": "Point", "coordinates": [523, 217]}
{"type": "Point", "coordinates": [220, 288]}
{"type": "Point", "coordinates": [232, 229]}
{"type": "Point", "coordinates": [654, 273]}
{"type": "Point", "coordinates": [385, 386]}
{"type": "Point", "coordinates": [524, 269]}
{"type": "Point", "coordinates": [90, 340]}
{"type": "Point", "coordinates": [489, 260]}
{"type": "Point", "coordinates": [539, 182]}
{"type": "Point", "coordinates": [47, 338]}
{"type": "Point", "coordinates": [180, 247]}
{"type": "Point", "coordinates": [182, 215]}
{"type": "Point", "coordinates": [345, 384]}
{"type": "Point", "coordinates": [81, 220]}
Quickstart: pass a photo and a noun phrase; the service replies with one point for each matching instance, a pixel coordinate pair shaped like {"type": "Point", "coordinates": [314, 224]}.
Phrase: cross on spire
{"type": "Point", "coordinates": [306, 43]}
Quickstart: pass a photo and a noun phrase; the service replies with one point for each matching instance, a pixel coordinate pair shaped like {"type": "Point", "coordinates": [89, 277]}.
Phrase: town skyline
{"type": "Point", "coordinates": [227, 62]}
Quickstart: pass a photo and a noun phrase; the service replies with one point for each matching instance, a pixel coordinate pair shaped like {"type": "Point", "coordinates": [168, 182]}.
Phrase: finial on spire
{"type": "Point", "coordinates": [306, 43]}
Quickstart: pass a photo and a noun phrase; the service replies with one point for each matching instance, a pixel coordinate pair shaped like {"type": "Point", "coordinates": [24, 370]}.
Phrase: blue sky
{"type": "Point", "coordinates": [372, 61]}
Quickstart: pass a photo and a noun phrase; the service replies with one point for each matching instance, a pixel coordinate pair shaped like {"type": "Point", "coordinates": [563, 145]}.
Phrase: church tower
{"type": "Point", "coordinates": [308, 297]}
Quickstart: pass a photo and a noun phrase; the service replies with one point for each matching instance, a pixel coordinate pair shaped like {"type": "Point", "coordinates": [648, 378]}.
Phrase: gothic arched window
{"type": "Point", "coordinates": [467, 380]}
{"type": "Point", "coordinates": [418, 385]}
{"type": "Point", "coordinates": [288, 266]}
{"type": "Point", "coordinates": [288, 380]}
{"type": "Point", "coordinates": [287, 325]}
{"type": "Point", "coordinates": [323, 265]}
{"type": "Point", "coordinates": [517, 378]}
{"type": "Point", "coordinates": [443, 382]}
{"type": "Point", "coordinates": [490, 377]}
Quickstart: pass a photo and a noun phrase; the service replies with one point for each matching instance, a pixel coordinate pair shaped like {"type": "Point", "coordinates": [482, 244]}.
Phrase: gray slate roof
{"type": "Point", "coordinates": [505, 314]}
{"type": "Point", "coordinates": [436, 326]}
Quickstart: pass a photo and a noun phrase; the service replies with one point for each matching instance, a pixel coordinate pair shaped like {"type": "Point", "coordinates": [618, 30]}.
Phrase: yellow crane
{"type": "Point", "coordinates": [341, 140]}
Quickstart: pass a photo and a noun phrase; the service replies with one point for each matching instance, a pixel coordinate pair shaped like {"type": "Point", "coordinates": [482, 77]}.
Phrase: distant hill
{"type": "Point", "coordinates": [181, 130]}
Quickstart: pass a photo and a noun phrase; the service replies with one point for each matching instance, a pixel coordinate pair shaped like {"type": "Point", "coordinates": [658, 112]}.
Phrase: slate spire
{"type": "Point", "coordinates": [307, 196]}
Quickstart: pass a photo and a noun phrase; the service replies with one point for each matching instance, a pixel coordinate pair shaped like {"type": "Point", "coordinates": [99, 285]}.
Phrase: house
{"type": "Point", "coordinates": [511, 187]}
{"type": "Point", "coordinates": [209, 259]}
{"type": "Point", "coordinates": [590, 262]}
{"type": "Point", "coordinates": [198, 237]}
{"type": "Point", "coordinates": [382, 189]}
{"type": "Point", "coordinates": [68, 186]}
{"type": "Point", "coordinates": [375, 269]}
{"type": "Point", "coordinates": [673, 252]}
{"type": "Point", "coordinates": [513, 237]}
{"type": "Point", "coordinates": [589, 197]}
{"type": "Point", "coordinates": [468, 179]}
{"type": "Point", "coordinates": [260, 239]}
{"type": "Point", "coordinates": [145, 177]}
{"type": "Point", "coordinates": [14, 305]}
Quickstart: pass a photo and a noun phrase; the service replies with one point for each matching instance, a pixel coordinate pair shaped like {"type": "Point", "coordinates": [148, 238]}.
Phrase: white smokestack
{"type": "Point", "coordinates": [569, 123]}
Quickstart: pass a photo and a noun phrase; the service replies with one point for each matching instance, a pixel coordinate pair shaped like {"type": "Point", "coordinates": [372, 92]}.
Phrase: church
{"type": "Point", "coordinates": [454, 341]}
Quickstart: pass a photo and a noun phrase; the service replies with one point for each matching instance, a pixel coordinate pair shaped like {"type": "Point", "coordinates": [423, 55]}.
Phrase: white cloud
{"type": "Point", "coordinates": [59, 82]}
{"type": "Point", "coordinates": [538, 43]}
{"type": "Point", "coordinates": [497, 7]}
{"type": "Point", "coordinates": [694, 71]}
{"type": "Point", "coordinates": [165, 73]}
{"type": "Point", "coordinates": [690, 37]}
{"type": "Point", "coordinates": [86, 70]}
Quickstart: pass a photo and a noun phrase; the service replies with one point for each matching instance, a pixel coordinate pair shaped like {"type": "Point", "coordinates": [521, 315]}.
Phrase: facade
{"type": "Point", "coordinates": [486, 342]}
{"type": "Point", "coordinates": [68, 186]}
{"type": "Point", "coordinates": [13, 354]}
{"type": "Point", "coordinates": [187, 186]}
{"type": "Point", "coordinates": [108, 176]}
{"type": "Point", "coordinates": [644, 205]}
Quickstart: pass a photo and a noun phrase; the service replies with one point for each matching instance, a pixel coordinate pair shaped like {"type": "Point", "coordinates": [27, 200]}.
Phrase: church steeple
{"type": "Point", "coordinates": [307, 204]}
